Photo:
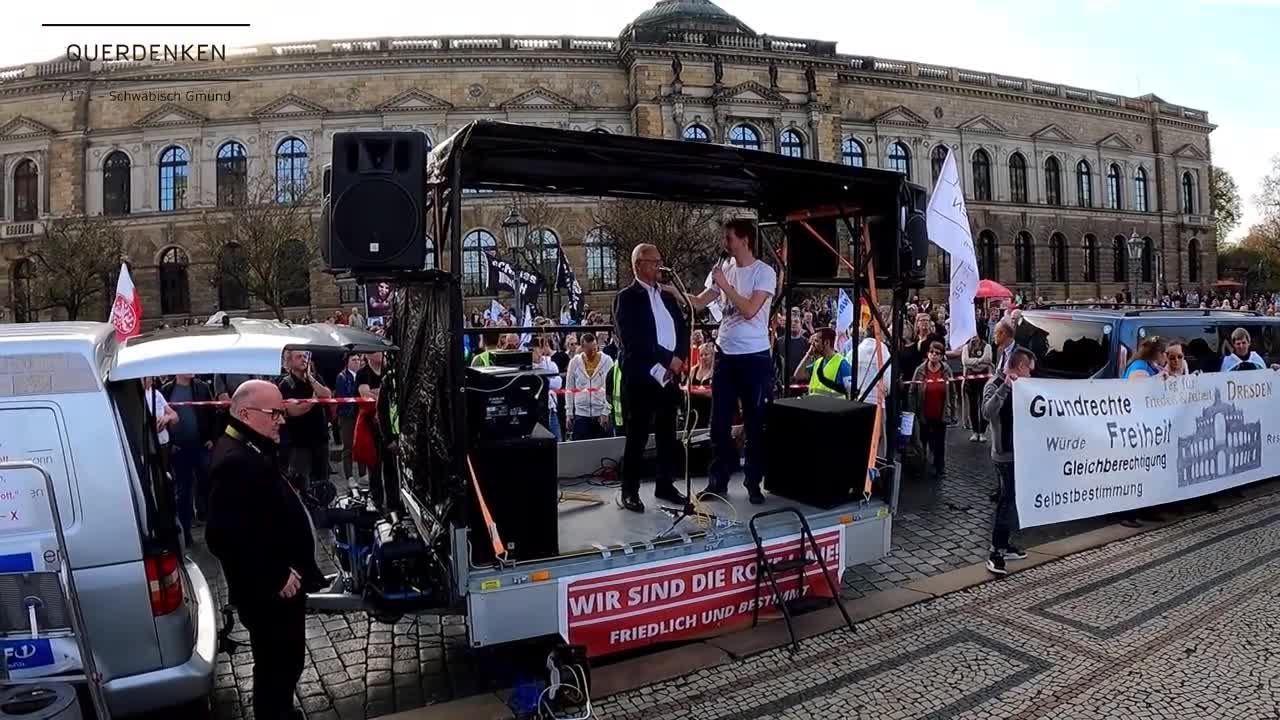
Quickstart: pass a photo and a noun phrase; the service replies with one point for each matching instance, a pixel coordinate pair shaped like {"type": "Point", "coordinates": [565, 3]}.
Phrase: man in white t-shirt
{"type": "Point", "coordinates": [744, 370]}
{"type": "Point", "coordinates": [165, 416]}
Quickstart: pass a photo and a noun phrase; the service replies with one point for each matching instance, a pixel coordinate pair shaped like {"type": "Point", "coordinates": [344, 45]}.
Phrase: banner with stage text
{"type": "Point", "coordinates": [1085, 448]}
{"type": "Point", "coordinates": [615, 610]}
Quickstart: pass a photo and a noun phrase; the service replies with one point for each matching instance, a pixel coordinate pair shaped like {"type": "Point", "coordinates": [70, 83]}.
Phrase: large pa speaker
{"type": "Point", "coordinates": [901, 244]}
{"type": "Point", "coordinates": [798, 460]}
{"type": "Point", "coordinates": [376, 210]}
{"type": "Point", "coordinates": [518, 479]}
{"type": "Point", "coordinates": [808, 258]}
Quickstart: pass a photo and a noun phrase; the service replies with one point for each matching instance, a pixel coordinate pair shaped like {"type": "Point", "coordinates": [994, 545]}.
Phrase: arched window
{"type": "Point", "coordinates": [988, 255]}
{"type": "Point", "coordinates": [477, 246]}
{"type": "Point", "coordinates": [852, 153]}
{"type": "Point", "coordinates": [981, 175]}
{"type": "Point", "coordinates": [430, 264]}
{"type": "Point", "coordinates": [26, 191]}
{"type": "Point", "coordinates": [900, 159]}
{"type": "Point", "coordinates": [791, 143]}
{"type": "Point", "coordinates": [232, 172]}
{"type": "Point", "coordinates": [175, 292]}
{"type": "Point", "coordinates": [115, 184]}
{"type": "Point", "coordinates": [1057, 258]}
{"type": "Point", "coordinates": [546, 239]}
{"type": "Point", "coordinates": [1052, 181]}
{"type": "Point", "coordinates": [745, 137]}
{"type": "Point", "coordinates": [1119, 259]}
{"type": "Point", "coordinates": [602, 261]}
{"type": "Point", "coordinates": [295, 281]}
{"type": "Point", "coordinates": [1089, 251]}
{"type": "Point", "coordinates": [1193, 260]}
{"type": "Point", "coordinates": [1024, 257]}
{"type": "Point", "coordinates": [1188, 193]}
{"type": "Point", "coordinates": [937, 157]}
{"type": "Point", "coordinates": [232, 268]}
{"type": "Point", "coordinates": [944, 265]}
{"type": "Point", "coordinates": [1148, 260]}
{"type": "Point", "coordinates": [1140, 190]}
{"type": "Point", "coordinates": [24, 309]}
{"type": "Point", "coordinates": [1017, 178]}
{"type": "Point", "coordinates": [291, 169]}
{"type": "Point", "coordinates": [697, 133]}
{"type": "Point", "coordinates": [174, 167]}
{"type": "Point", "coordinates": [1084, 184]}
{"type": "Point", "coordinates": [1113, 186]}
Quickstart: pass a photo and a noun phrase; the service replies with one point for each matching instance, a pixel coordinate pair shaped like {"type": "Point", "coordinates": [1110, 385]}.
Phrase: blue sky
{"type": "Point", "coordinates": [1214, 55]}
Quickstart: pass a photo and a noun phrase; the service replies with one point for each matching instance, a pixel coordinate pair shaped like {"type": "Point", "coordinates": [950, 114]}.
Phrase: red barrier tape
{"type": "Point", "coordinates": [308, 401]}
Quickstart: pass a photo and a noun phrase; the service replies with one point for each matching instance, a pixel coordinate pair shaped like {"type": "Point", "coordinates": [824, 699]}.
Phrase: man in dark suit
{"type": "Point", "coordinates": [261, 533]}
{"type": "Point", "coordinates": [653, 340]}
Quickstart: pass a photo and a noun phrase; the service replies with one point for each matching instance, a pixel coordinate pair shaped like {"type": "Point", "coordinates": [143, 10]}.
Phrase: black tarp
{"type": "Point", "coordinates": [523, 158]}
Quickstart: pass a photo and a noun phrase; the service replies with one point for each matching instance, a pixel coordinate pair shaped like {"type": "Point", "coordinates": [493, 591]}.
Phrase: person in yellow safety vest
{"type": "Point", "coordinates": [828, 372]}
{"type": "Point", "coordinates": [493, 341]}
{"type": "Point", "coordinates": [613, 393]}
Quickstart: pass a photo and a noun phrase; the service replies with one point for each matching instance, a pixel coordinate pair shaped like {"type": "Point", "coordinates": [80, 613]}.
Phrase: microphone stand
{"type": "Point", "coordinates": [689, 509]}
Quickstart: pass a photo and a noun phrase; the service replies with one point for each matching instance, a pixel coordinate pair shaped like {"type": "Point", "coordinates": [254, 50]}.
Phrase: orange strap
{"type": "Point", "coordinates": [499, 549]}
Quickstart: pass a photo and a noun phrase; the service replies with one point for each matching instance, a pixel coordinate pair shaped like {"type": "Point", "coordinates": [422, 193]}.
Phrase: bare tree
{"type": "Point", "coordinates": [74, 262]}
{"type": "Point", "coordinates": [686, 235]}
{"type": "Point", "coordinates": [264, 242]}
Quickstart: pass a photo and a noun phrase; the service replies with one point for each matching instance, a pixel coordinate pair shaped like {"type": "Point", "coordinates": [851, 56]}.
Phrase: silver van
{"type": "Point", "coordinates": [71, 401]}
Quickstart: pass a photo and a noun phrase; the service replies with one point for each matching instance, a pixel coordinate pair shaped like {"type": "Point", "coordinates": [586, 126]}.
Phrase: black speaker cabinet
{"type": "Point", "coordinates": [808, 258]}
{"type": "Point", "coordinates": [900, 245]}
{"type": "Point", "coordinates": [816, 449]}
{"type": "Point", "coordinates": [518, 479]}
{"type": "Point", "coordinates": [376, 213]}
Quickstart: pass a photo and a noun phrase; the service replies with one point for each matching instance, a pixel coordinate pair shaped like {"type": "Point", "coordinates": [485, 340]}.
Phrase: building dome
{"type": "Point", "coordinates": [689, 15]}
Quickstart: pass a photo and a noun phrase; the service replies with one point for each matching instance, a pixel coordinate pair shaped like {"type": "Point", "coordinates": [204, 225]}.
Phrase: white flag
{"type": "Point", "coordinates": [495, 310]}
{"type": "Point", "coordinates": [844, 313]}
{"type": "Point", "coordinates": [528, 322]}
{"type": "Point", "coordinates": [948, 224]}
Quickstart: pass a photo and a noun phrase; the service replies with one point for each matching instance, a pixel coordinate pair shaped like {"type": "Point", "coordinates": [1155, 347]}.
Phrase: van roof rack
{"type": "Point", "coordinates": [1135, 310]}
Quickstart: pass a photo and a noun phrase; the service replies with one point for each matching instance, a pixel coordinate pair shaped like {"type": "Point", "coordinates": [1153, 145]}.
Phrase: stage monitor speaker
{"type": "Point", "coordinates": [901, 245]}
{"type": "Point", "coordinates": [807, 257]}
{"type": "Point", "coordinates": [519, 480]}
{"type": "Point", "coordinates": [799, 460]}
{"type": "Point", "coordinates": [376, 210]}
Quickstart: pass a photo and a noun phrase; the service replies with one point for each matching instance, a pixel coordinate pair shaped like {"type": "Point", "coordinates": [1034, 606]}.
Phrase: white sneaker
{"type": "Point", "coordinates": [982, 438]}
{"type": "Point", "coordinates": [973, 437]}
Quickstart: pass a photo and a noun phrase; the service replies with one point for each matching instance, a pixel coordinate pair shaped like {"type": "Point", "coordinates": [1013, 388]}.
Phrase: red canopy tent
{"type": "Point", "coordinates": [992, 289]}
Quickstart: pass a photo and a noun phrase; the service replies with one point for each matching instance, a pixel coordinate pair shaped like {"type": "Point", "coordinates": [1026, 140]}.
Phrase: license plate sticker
{"type": "Point", "coordinates": [27, 654]}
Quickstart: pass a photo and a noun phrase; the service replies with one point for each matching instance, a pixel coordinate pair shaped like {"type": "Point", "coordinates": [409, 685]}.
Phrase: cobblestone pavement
{"type": "Point", "coordinates": [357, 667]}
{"type": "Point", "coordinates": [1178, 622]}
{"type": "Point", "coordinates": [945, 524]}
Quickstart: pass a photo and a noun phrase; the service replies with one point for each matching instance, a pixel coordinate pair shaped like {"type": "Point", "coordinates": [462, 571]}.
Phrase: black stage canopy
{"type": "Point", "coordinates": [504, 156]}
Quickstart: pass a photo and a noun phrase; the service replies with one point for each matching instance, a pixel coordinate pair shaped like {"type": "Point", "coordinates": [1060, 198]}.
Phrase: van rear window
{"type": "Point", "coordinates": [1065, 348]}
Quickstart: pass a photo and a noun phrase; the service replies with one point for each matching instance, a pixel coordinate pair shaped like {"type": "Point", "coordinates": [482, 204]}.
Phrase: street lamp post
{"type": "Point", "coordinates": [515, 233]}
{"type": "Point", "coordinates": [1135, 257]}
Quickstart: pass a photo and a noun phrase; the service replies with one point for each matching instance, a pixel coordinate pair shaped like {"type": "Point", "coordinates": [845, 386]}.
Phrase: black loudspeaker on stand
{"type": "Point", "coordinates": [375, 206]}
{"type": "Point", "coordinates": [518, 478]}
{"type": "Point", "coordinates": [816, 449]}
{"type": "Point", "coordinates": [901, 245]}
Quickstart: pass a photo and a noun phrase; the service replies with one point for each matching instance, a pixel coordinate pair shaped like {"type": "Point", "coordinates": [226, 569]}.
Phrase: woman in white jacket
{"type": "Point", "coordinates": [542, 361]}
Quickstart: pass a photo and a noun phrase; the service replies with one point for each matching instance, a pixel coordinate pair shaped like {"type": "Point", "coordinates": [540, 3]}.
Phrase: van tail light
{"type": "Point", "coordinates": [164, 582]}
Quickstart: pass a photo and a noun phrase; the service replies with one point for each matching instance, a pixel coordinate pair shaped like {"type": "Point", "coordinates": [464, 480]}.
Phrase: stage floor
{"type": "Point", "coordinates": [583, 526]}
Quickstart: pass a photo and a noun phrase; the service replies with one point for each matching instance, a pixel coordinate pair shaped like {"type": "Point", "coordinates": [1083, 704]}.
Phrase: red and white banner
{"type": "Point", "coordinates": [126, 311]}
{"type": "Point", "coordinates": [615, 610]}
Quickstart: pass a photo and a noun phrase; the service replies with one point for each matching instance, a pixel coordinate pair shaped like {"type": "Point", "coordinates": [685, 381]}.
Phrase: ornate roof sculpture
{"type": "Point", "coordinates": [667, 16]}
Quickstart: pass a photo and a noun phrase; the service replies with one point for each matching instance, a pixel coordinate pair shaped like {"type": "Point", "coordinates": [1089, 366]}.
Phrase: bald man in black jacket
{"type": "Point", "coordinates": [653, 339]}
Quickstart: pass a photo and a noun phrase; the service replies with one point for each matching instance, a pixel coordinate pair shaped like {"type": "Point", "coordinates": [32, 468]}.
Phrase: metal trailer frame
{"type": "Point", "coordinates": [90, 676]}
{"type": "Point", "coordinates": [521, 600]}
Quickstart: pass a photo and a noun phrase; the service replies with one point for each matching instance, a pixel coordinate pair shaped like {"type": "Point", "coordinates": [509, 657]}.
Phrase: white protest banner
{"type": "Point", "coordinates": [1085, 448]}
{"type": "Point", "coordinates": [844, 313]}
{"type": "Point", "coordinates": [948, 224]}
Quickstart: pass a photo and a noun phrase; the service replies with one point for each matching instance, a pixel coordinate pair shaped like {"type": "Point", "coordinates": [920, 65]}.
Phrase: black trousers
{"type": "Point", "coordinates": [973, 391]}
{"type": "Point", "coordinates": [277, 636]}
{"type": "Point", "coordinates": [647, 407]}
{"type": "Point", "coordinates": [934, 436]}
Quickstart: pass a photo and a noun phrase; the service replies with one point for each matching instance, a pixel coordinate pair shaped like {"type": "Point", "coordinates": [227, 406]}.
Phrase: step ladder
{"type": "Point", "coordinates": [45, 607]}
{"type": "Point", "coordinates": [773, 569]}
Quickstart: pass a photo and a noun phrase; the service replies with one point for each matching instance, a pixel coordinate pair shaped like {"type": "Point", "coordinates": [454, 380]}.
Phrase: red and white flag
{"type": "Point", "coordinates": [126, 311]}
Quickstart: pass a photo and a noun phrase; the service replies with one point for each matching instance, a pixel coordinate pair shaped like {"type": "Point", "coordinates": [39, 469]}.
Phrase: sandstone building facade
{"type": "Point", "coordinates": [1057, 178]}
